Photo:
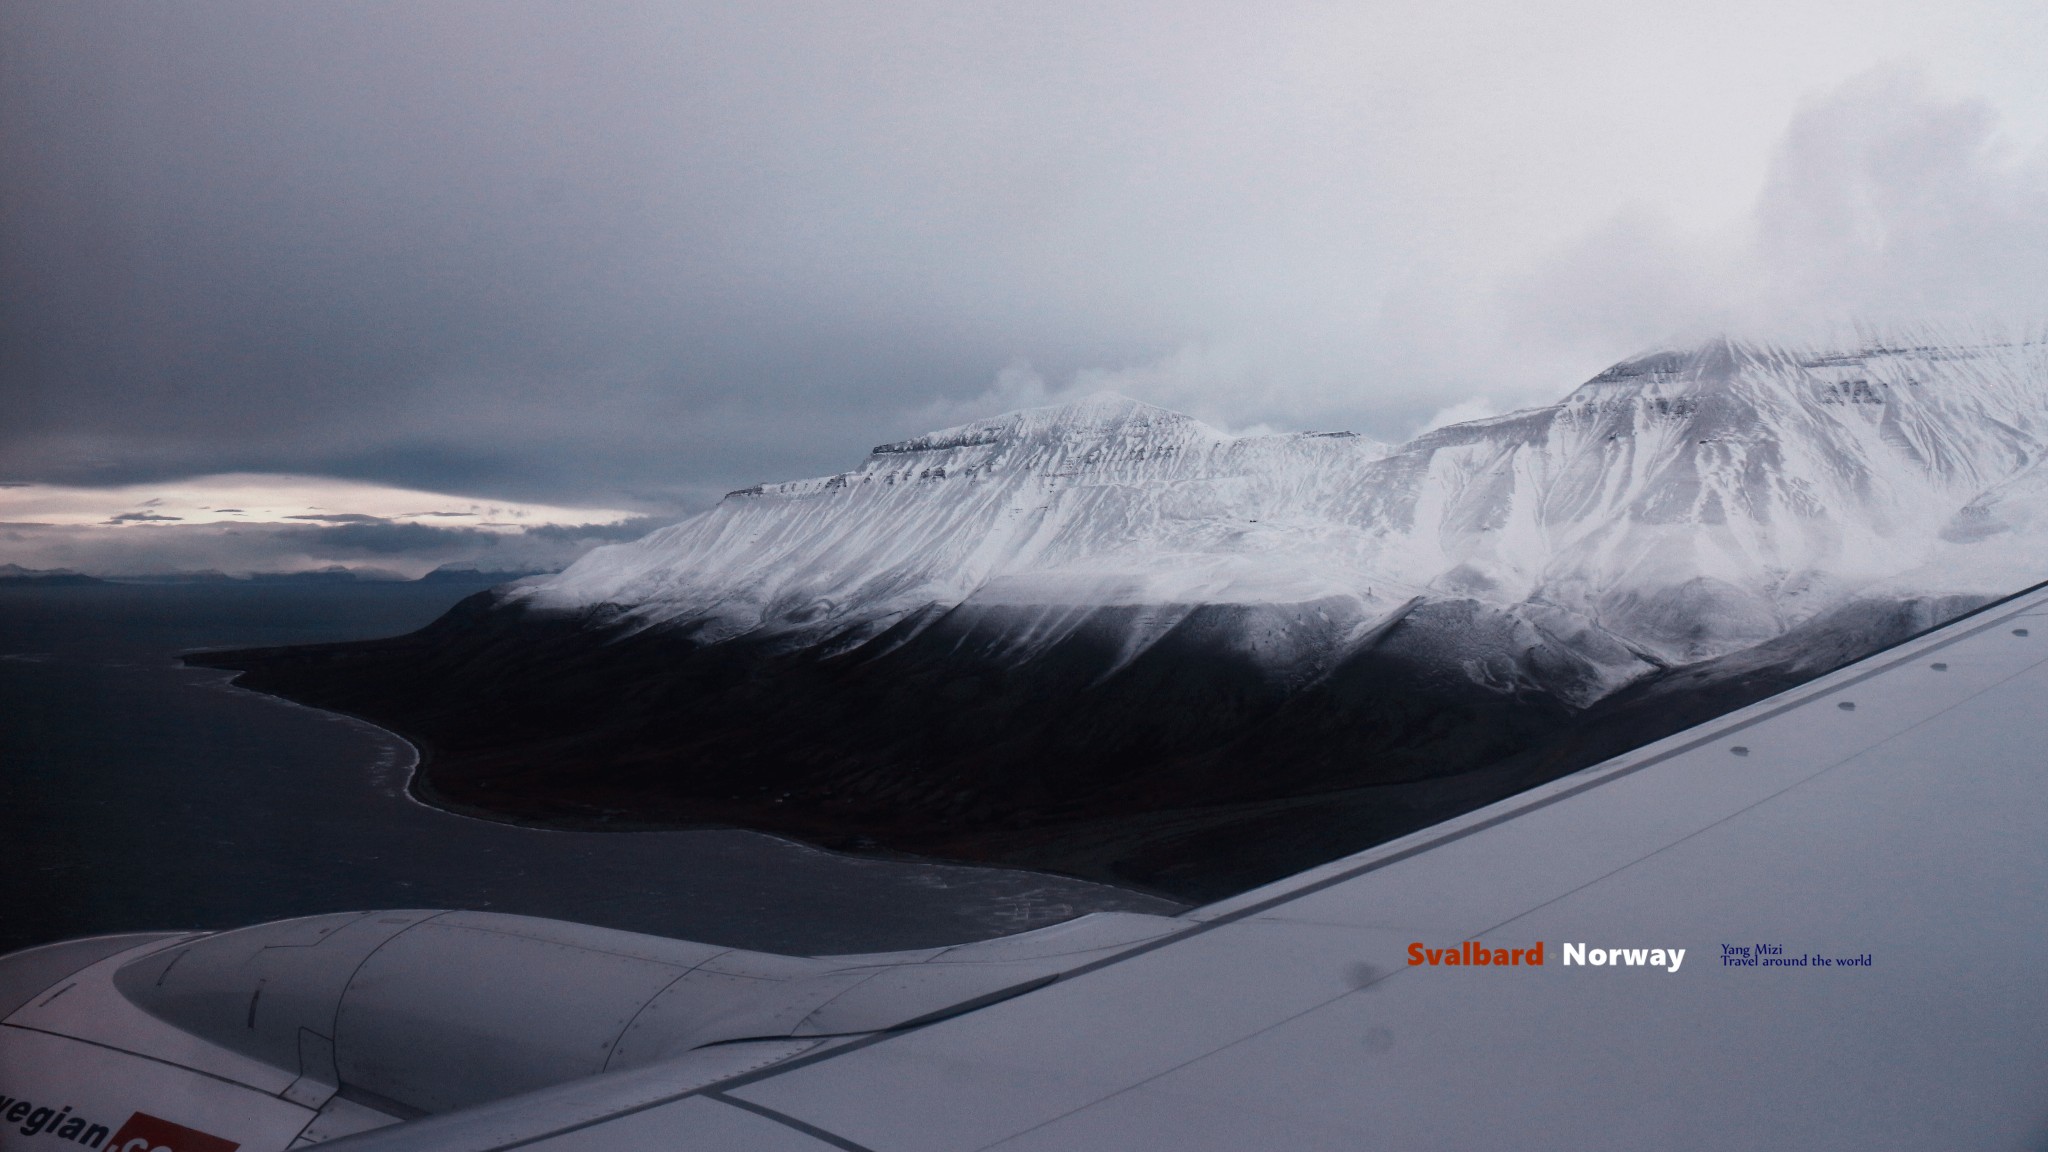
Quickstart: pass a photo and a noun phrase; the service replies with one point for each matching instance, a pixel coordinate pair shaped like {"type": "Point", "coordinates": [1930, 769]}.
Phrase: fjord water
{"type": "Point", "coordinates": [139, 794]}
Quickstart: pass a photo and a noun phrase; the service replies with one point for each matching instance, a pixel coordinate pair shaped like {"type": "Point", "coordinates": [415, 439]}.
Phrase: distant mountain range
{"type": "Point", "coordinates": [1108, 639]}
{"type": "Point", "coordinates": [14, 575]}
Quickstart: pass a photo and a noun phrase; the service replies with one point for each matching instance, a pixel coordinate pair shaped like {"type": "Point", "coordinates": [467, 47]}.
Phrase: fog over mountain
{"type": "Point", "coordinates": [1108, 638]}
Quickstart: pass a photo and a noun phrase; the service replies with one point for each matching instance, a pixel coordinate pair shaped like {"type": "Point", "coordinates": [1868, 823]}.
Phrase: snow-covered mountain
{"type": "Point", "coordinates": [1106, 639]}
{"type": "Point", "coordinates": [1677, 507]}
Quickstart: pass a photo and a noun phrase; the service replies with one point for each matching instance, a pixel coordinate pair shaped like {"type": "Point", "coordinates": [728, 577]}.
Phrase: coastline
{"type": "Point", "coordinates": [418, 788]}
{"type": "Point", "coordinates": [541, 722]}
{"type": "Point", "coordinates": [1086, 852]}
{"type": "Point", "coordinates": [151, 792]}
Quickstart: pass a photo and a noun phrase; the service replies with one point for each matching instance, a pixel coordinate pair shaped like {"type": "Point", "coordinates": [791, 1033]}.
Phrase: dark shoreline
{"type": "Point", "coordinates": [483, 757]}
{"type": "Point", "coordinates": [556, 722]}
{"type": "Point", "coordinates": [141, 793]}
{"type": "Point", "coordinates": [419, 787]}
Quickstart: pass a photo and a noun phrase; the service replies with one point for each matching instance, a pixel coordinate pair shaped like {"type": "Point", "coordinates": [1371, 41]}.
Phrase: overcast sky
{"type": "Point", "coordinates": [627, 256]}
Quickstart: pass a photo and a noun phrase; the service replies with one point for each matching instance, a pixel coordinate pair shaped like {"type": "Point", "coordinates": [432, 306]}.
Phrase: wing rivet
{"type": "Point", "coordinates": [2019, 631]}
{"type": "Point", "coordinates": [1740, 750]}
{"type": "Point", "coordinates": [1847, 705]}
{"type": "Point", "coordinates": [1939, 667]}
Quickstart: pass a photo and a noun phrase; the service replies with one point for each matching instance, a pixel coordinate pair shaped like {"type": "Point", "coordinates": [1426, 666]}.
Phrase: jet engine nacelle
{"type": "Point", "coordinates": [300, 1031]}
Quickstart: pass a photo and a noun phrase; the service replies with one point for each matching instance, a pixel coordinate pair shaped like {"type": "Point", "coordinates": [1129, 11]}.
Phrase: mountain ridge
{"type": "Point", "coordinates": [1109, 640]}
{"type": "Point", "coordinates": [1674, 486]}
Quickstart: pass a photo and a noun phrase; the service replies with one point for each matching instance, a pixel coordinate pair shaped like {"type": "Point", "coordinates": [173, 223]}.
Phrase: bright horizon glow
{"type": "Point", "coordinates": [258, 498]}
{"type": "Point", "coordinates": [245, 523]}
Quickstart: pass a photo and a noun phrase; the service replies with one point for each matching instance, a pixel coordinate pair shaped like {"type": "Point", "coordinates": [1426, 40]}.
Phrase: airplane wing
{"type": "Point", "coordinates": [1816, 922]}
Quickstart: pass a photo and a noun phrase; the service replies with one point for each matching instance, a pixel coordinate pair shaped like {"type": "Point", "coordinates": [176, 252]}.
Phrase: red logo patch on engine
{"type": "Point", "coordinates": [146, 1133]}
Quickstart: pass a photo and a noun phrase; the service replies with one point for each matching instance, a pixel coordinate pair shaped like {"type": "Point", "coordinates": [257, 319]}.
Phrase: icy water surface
{"type": "Point", "coordinates": [138, 794]}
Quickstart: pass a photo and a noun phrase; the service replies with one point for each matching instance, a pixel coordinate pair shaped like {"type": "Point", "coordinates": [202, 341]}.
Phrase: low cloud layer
{"type": "Point", "coordinates": [402, 550]}
{"type": "Point", "coordinates": [637, 254]}
{"type": "Point", "coordinates": [244, 524]}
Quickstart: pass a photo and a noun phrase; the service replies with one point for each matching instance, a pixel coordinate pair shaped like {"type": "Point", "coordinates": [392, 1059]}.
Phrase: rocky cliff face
{"type": "Point", "coordinates": [1108, 638]}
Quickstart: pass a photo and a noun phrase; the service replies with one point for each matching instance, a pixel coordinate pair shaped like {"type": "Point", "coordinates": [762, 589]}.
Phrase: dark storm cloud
{"type": "Point", "coordinates": [351, 536]}
{"type": "Point", "coordinates": [632, 529]}
{"type": "Point", "coordinates": [357, 538]}
{"type": "Point", "coordinates": [647, 252]}
{"type": "Point", "coordinates": [371, 536]}
{"type": "Point", "coordinates": [509, 246]}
